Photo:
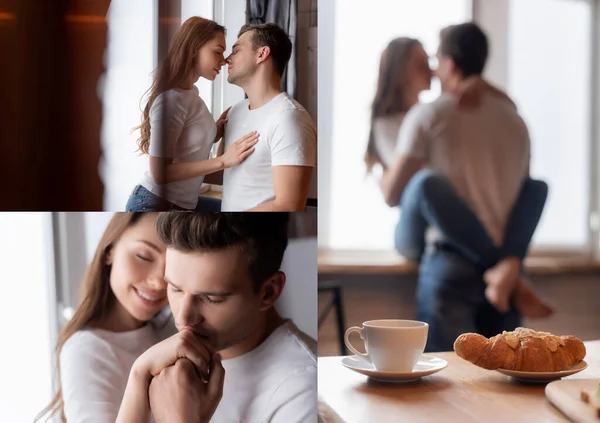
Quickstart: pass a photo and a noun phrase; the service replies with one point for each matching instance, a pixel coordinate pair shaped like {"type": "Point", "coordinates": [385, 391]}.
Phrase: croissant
{"type": "Point", "coordinates": [521, 350]}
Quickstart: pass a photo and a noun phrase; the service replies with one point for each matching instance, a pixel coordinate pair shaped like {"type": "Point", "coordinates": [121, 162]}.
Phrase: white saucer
{"type": "Point", "coordinates": [427, 365]}
{"type": "Point", "coordinates": [543, 377]}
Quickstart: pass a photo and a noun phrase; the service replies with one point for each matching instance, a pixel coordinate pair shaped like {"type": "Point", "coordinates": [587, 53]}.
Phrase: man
{"type": "Point", "coordinates": [222, 271]}
{"type": "Point", "coordinates": [483, 153]}
{"type": "Point", "coordinates": [276, 176]}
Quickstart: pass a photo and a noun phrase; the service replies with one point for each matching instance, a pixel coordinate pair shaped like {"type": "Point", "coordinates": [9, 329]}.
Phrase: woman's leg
{"type": "Point", "coordinates": [429, 200]}
{"type": "Point", "coordinates": [142, 200]}
{"type": "Point", "coordinates": [524, 218]}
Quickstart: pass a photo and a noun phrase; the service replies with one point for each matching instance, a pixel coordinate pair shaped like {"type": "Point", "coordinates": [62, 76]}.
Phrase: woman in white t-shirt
{"type": "Point", "coordinates": [404, 73]}
{"type": "Point", "coordinates": [122, 313]}
{"type": "Point", "coordinates": [178, 130]}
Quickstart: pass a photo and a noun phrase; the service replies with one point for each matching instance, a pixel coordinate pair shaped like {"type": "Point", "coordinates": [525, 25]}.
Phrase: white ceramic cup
{"type": "Point", "coordinates": [391, 345]}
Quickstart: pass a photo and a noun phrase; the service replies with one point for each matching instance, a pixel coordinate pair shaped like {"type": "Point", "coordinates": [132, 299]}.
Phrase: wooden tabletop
{"type": "Point", "coordinates": [462, 392]}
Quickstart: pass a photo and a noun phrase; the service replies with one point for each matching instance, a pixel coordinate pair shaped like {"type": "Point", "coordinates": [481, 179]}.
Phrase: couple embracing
{"type": "Point", "coordinates": [269, 139]}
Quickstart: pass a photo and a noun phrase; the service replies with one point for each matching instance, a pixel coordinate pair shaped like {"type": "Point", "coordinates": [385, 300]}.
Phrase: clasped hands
{"type": "Point", "coordinates": [186, 379]}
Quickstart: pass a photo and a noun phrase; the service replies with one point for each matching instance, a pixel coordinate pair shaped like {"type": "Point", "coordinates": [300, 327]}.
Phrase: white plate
{"type": "Point", "coordinates": [427, 365]}
{"type": "Point", "coordinates": [543, 377]}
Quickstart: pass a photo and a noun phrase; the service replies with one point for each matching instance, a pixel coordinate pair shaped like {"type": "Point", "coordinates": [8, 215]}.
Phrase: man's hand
{"type": "Point", "coordinates": [184, 344]}
{"type": "Point", "coordinates": [179, 395]}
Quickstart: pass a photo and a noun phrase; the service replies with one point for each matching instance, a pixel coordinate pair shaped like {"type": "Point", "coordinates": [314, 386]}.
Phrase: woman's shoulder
{"type": "Point", "coordinates": [388, 126]}
{"type": "Point", "coordinates": [86, 345]}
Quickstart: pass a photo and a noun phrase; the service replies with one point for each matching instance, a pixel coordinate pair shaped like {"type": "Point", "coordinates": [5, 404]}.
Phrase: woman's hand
{"type": "Point", "coordinates": [240, 150]}
{"type": "Point", "coordinates": [177, 394]}
{"type": "Point", "coordinates": [221, 122]}
{"type": "Point", "coordinates": [184, 344]}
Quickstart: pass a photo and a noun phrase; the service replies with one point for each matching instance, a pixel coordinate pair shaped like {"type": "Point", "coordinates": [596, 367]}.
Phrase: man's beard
{"type": "Point", "coordinates": [239, 79]}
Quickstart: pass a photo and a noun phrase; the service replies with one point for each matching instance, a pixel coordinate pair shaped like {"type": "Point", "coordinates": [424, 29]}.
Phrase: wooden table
{"type": "Point", "coordinates": [462, 392]}
{"type": "Point", "coordinates": [214, 194]}
{"type": "Point", "coordinates": [340, 262]}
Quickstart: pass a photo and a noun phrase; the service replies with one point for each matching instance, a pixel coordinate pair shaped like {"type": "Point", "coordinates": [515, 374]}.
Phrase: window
{"type": "Point", "coordinates": [549, 76]}
{"type": "Point", "coordinates": [353, 214]}
{"type": "Point", "coordinates": [28, 306]}
{"type": "Point", "coordinates": [130, 60]}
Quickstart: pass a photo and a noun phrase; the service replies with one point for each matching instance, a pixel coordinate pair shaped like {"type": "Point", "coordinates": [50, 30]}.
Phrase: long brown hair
{"type": "Point", "coordinates": [97, 298]}
{"type": "Point", "coordinates": [175, 68]}
{"type": "Point", "coordinates": [390, 96]}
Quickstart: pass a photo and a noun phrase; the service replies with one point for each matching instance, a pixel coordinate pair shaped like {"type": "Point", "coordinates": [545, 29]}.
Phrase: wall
{"type": "Point", "coordinates": [299, 298]}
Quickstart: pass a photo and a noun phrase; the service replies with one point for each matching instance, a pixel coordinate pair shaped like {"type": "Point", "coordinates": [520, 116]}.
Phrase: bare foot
{"type": "Point", "coordinates": [501, 280]}
{"type": "Point", "coordinates": [528, 303]}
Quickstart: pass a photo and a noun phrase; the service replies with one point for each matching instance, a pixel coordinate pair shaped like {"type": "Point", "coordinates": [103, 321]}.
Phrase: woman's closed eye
{"type": "Point", "coordinates": [145, 257]}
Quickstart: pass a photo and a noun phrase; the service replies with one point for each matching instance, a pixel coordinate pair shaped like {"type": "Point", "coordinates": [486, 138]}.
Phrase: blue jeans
{"type": "Point", "coordinates": [450, 298]}
{"type": "Point", "coordinates": [450, 295]}
{"type": "Point", "coordinates": [429, 200]}
{"type": "Point", "coordinates": [142, 200]}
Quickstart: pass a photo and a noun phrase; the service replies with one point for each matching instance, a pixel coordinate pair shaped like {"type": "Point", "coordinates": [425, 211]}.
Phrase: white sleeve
{"type": "Point", "coordinates": [295, 400]}
{"type": "Point", "coordinates": [293, 141]}
{"type": "Point", "coordinates": [167, 119]}
{"type": "Point", "coordinates": [90, 377]}
{"type": "Point", "coordinates": [414, 134]}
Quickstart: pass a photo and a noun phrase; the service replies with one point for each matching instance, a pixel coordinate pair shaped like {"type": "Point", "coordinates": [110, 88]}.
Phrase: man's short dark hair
{"type": "Point", "coordinates": [274, 37]}
{"type": "Point", "coordinates": [262, 237]}
{"type": "Point", "coordinates": [467, 45]}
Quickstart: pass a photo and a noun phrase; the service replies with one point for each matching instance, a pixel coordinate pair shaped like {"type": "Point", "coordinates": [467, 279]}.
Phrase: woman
{"type": "Point", "coordinates": [403, 74]}
{"type": "Point", "coordinates": [178, 131]}
{"type": "Point", "coordinates": [122, 313]}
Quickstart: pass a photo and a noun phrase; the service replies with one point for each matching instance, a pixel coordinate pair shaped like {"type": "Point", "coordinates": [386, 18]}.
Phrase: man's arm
{"type": "Point", "coordinates": [291, 185]}
{"type": "Point", "coordinates": [397, 176]}
{"type": "Point", "coordinates": [293, 145]}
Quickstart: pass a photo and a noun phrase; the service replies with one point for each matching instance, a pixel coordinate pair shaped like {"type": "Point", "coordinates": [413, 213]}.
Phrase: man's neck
{"type": "Point", "coordinates": [272, 320]}
{"type": "Point", "coordinates": [453, 84]}
{"type": "Point", "coordinates": [262, 90]}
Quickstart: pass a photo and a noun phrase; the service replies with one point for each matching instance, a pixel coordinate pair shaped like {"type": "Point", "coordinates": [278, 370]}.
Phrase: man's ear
{"type": "Point", "coordinates": [452, 66]}
{"type": "Point", "coordinates": [271, 290]}
{"type": "Point", "coordinates": [263, 54]}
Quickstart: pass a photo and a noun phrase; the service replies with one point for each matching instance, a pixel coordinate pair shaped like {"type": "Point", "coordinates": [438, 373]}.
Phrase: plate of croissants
{"type": "Point", "coordinates": [524, 354]}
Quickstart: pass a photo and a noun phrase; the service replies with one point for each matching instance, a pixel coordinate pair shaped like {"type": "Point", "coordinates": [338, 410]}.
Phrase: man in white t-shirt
{"type": "Point", "coordinates": [277, 176]}
{"type": "Point", "coordinates": [483, 153]}
{"type": "Point", "coordinates": [222, 271]}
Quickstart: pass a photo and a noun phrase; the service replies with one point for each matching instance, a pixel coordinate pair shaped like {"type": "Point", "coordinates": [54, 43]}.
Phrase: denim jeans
{"type": "Point", "coordinates": [142, 200]}
{"type": "Point", "coordinates": [450, 298]}
{"type": "Point", "coordinates": [429, 200]}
